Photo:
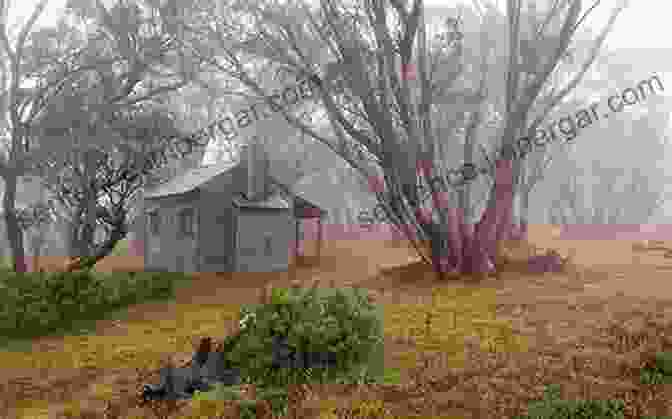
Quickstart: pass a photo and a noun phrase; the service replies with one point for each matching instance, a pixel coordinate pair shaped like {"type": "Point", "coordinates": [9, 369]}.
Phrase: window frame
{"type": "Point", "coordinates": [186, 222]}
{"type": "Point", "coordinates": [268, 245]}
{"type": "Point", "coordinates": [154, 219]}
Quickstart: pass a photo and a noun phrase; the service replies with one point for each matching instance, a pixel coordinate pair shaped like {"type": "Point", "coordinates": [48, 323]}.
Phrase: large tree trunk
{"type": "Point", "coordinates": [73, 244]}
{"type": "Point", "coordinates": [457, 237]}
{"type": "Point", "coordinates": [519, 227]}
{"type": "Point", "coordinates": [37, 243]}
{"type": "Point", "coordinates": [521, 233]}
{"type": "Point", "coordinates": [90, 204]}
{"type": "Point", "coordinates": [14, 231]}
{"type": "Point", "coordinates": [436, 248]}
{"type": "Point", "coordinates": [102, 251]}
{"type": "Point", "coordinates": [77, 247]}
{"type": "Point", "coordinates": [495, 225]}
{"type": "Point", "coordinates": [83, 227]}
{"type": "Point", "coordinates": [473, 251]}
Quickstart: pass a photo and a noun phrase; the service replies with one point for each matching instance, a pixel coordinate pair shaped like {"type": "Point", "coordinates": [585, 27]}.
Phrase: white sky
{"type": "Point", "coordinates": [645, 24]}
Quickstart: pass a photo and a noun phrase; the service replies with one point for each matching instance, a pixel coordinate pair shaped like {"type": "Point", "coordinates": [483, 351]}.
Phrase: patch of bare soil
{"type": "Point", "coordinates": [108, 264]}
{"type": "Point", "coordinates": [590, 330]}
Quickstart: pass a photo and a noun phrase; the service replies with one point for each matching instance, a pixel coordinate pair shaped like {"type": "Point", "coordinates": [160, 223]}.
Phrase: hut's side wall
{"type": "Point", "coordinates": [169, 250]}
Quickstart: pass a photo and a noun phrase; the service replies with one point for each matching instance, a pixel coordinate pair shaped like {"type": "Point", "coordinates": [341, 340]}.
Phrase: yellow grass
{"type": "Point", "coordinates": [455, 314]}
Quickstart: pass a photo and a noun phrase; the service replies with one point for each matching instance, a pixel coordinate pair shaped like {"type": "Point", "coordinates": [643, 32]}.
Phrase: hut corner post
{"type": "Point", "coordinates": [320, 236]}
{"type": "Point", "coordinates": [295, 249]}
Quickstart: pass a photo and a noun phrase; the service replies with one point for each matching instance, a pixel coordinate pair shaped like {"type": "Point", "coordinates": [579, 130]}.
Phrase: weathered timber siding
{"type": "Point", "coordinates": [253, 226]}
{"type": "Point", "coordinates": [168, 250]}
{"type": "Point", "coordinates": [216, 239]}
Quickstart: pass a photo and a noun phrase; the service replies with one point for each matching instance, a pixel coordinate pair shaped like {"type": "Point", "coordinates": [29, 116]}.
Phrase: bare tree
{"type": "Point", "coordinates": [623, 185]}
{"type": "Point", "coordinates": [353, 53]}
{"type": "Point", "coordinates": [35, 220]}
{"type": "Point", "coordinates": [103, 136]}
{"type": "Point", "coordinates": [15, 102]}
{"type": "Point", "coordinates": [542, 32]}
{"type": "Point", "coordinates": [591, 191]}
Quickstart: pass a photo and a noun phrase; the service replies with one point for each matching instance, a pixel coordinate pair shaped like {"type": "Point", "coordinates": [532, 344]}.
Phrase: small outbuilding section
{"type": "Point", "coordinates": [305, 212]}
{"type": "Point", "coordinates": [228, 217]}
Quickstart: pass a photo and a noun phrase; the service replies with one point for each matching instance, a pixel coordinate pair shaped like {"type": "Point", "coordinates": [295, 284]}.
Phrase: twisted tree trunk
{"type": "Point", "coordinates": [473, 251]}
{"type": "Point", "coordinates": [100, 252]}
{"type": "Point", "coordinates": [14, 230]}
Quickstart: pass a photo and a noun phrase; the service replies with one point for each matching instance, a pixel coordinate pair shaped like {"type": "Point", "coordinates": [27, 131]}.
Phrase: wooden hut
{"type": "Point", "coordinates": [227, 217]}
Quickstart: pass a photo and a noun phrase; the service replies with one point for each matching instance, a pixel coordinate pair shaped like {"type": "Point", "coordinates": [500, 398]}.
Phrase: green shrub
{"type": "Point", "coordinates": [73, 293]}
{"type": "Point", "coordinates": [660, 372]}
{"type": "Point", "coordinates": [35, 303]}
{"type": "Point", "coordinates": [664, 362]}
{"type": "Point", "coordinates": [552, 406]}
{"type": "Point", "coordinates": [653, 377]}
{"type": "Point", "coordinates": [342, 322]}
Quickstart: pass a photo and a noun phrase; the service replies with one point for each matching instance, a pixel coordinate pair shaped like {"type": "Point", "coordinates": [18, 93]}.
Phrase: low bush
{"type": "Point", "coordinates": [37, 303]}
{"type": "Point", "coordinates": [660, 371]}
{"type": "Point", "coordinates": [298, 337]}
{"type": "Point", "coordinates": [305, 334]}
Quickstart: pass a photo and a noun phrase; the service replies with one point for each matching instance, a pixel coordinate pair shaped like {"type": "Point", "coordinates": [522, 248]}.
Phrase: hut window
{"type": "Point", "coordinates": [268, 249]}
{"type": "Point", "coordinates": [186, 222]}
{"type": "Point", "coordinates": [154, 223]}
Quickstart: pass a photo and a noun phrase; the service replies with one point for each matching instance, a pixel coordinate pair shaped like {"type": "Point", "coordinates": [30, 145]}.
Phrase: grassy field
{"type": "Point", "coordinates": [455, 350]}
{"type": "Point", "coordinates": [143, 344]}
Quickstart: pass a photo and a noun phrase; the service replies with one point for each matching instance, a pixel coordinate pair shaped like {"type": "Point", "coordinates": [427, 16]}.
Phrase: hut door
{"type": "Point", "coordinates": [186, 257]}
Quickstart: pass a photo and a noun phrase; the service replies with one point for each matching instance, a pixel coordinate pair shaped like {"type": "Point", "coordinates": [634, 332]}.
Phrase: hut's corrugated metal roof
{"type": "Point", "coordinates": [194, 178]}
{"type": "Point", "coordinates": [190, 180]}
